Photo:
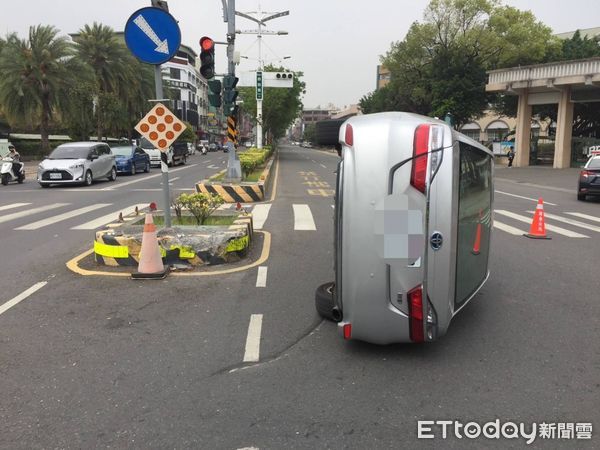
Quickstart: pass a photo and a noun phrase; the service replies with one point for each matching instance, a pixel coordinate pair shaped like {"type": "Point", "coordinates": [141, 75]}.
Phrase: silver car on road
{"type": "Point", "coordinates": [413, 221]}
{"type": "Point", "coordinates": [79, 163]}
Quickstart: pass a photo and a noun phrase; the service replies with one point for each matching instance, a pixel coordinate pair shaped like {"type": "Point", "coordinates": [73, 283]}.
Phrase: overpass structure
{"type": "Point", "coordinates": [564, 83]}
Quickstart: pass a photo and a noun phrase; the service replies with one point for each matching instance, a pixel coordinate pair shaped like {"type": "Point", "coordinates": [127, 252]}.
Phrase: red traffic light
{"type": "Point", "coordinates": [206, 43]}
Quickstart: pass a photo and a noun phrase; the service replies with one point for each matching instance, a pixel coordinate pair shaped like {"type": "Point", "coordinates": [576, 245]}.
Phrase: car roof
{"type": "Point", "coordinates": [87, 144]}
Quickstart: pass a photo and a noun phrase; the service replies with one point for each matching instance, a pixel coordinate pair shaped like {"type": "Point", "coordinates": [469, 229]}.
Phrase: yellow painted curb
{"type": "Point", "coordinates": [73, 264]}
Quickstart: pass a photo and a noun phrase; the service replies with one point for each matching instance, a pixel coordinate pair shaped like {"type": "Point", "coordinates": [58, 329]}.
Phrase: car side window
{"type": "Point", "coordinates": [104, 150]}
{"type": "Point", "coordinates": [93, 153]}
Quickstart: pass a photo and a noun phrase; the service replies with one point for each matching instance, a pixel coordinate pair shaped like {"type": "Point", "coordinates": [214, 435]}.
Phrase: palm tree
{"type": "Point", "coordinates": [34, 73]}
{"type": "Point", "coordinates": [99, 48]}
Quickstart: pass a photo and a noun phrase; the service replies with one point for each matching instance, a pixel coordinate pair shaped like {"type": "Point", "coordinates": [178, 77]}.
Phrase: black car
{"type": "Point", "coordinates": [589, 178]}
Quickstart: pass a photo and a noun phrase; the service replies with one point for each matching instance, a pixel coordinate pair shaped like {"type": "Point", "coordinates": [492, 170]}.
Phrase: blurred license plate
{"type": "Point", "coordinates": [56, 176]}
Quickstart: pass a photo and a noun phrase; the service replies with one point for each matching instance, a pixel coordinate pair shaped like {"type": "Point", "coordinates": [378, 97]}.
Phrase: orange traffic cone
{"type": "Point", "coordinates": [477, 244]}
{"type": "Point", "coordinates": [538, 226]}
{"type": "Point", "coordinates": [150, 266]}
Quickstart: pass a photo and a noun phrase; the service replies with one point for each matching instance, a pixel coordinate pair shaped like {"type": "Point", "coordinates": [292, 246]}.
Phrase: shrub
{"type": "Point", "coordinates": [202, 206]}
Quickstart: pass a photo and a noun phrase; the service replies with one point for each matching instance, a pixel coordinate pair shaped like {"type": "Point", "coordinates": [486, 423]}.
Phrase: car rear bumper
{"type": "Point", "coordinates": [588, 188]}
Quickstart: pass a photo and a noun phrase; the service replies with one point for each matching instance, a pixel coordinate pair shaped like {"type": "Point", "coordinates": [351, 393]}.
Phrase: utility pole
{"type": "Point", "coordinates": [261, 18]}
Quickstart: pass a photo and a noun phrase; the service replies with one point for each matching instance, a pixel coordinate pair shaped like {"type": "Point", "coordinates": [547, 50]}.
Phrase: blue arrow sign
{"type": "Point", "coordinates": [152, 35]}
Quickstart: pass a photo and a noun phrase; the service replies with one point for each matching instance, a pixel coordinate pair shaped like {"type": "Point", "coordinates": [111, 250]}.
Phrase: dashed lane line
{"type": "Point", "coordinates": [261, 277]}
{"type": "Point", "coordinates": [127, 183]}
{"type": "Point", "coordinates": [252, 352]}
{"type": "Point", "coordinates": [303, 218]}
{"type": "Point", "coordinates": [22, 296]}
{"type": "Point", "coordinates": [525, 198]}
{"type": "Point", "coordinates": [68, 215]}
{"type": "Point", "coordinates": [260, 213]}
{"type": "Point", "coordinates": [30, 212]}
{"type": "Point", "coordinates": [553, 228]}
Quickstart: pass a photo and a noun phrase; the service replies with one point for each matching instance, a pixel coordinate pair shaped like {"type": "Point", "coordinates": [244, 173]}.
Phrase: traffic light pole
{"type": "Point", "coordinates": [234, 171]}
{"type": "Point", "coordinates": [164, 167]}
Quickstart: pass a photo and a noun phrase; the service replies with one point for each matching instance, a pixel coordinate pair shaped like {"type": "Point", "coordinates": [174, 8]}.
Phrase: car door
{"type": "Point", "coordinates": [140, 158]}
{"type": "Point", "coordinates": [107, 159]}
{"type": "Point", "coordinates": [95, 164]}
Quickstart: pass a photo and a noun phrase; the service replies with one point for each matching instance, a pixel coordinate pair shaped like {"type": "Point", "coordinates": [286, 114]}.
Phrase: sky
{"type": "Point", "coordinates": [335, 43]}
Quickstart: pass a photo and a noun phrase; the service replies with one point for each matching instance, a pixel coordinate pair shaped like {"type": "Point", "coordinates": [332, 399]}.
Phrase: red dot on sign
{"type": "Point", "coordinates": [177, 127]}
{"type": "Point", "coordinates": [144, 127]}
{"type": "Point", "coordinates": [153, 135]}
{"type": "Point", "coordinates": [169, 119]}
{"type": "Point", "coordinates": [162, 143]}
{"type": "Point", "coordinates": [161, 127]}
{"type": "Point", "coordinates": [152, 119]}
{"type": "Point", "coordinates": [170, 135]}
{"type": "Point", "coordinates": [160, 111]}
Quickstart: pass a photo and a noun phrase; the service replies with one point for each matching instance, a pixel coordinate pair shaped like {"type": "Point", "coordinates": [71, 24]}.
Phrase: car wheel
{"type": "Point", "coordinates": [113, 174]}
{"type": "Point", "coordinates": [324, 302]}
{"type": "Point", "coordinates": [88, 178]}
{"type": "Point", "coordinates": [581, 197]}
{"type": "Point", "coordinates": [4, 179]}
{"type": "Point", "coordinates": [132, 169]}
{"type": "Point", "coordinates": [147, 168]}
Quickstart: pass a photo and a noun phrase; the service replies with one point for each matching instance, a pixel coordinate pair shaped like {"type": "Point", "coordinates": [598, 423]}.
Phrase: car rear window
{"type": "Point", "coordinates": [121, 151]}
{"type": "Point", "coordinates": [67, 152]}
{"type": "Point", "coordinates": [594, 163]}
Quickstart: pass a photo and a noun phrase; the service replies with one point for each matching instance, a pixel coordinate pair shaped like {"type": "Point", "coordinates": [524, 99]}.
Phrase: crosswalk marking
{"type": "Point", "coordinates": [112, 217]}
{"type": "Point", "coordinates": [259, 215]}
{"type": "Point", "coordinates": [507, 228]}
{"type": "Point", "coordinates": [584, 216]}
{"type": "Point", "coordinates": [13, 205]}
{"type": "Point", "coordinates": [68, 215]}
{"type": "Point", "coordinates": [572, 222]}
{"type": "Point", "coordinates": [30, 212]}
{"type": "Point", "coordinates": [303, 218]}
{"type": "Point", "coordinates": [553, 228]}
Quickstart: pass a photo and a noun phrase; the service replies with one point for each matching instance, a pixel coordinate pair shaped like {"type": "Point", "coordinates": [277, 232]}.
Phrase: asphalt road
{"type": "Point", "coordinates": [99, 362]}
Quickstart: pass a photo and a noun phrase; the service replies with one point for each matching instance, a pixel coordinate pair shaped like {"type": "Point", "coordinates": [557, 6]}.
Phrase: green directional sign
{"type": "Point", "coordinates": [259, 85]}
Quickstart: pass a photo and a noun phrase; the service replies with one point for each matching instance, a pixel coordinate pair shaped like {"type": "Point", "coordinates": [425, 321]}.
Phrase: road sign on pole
{"type": "Point", "coordinates": [152, 35]}
{"type": "Point", "coordinates": [160, 127]}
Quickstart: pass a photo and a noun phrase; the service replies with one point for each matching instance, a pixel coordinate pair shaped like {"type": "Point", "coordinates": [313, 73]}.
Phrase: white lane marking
{"type": "Point", "coordinates": [558, 230]}
{"type": "Point", "coordinates": [22, 296]}
{"type": "Point", "coordinates": [171, 180]}
{"type": "Point", "coordinates": [571, 222]}
{"type": "Point", "coordinates": [525, 198]}
{"type": "Point", "coordinates": [508, 228]}
{"type": "Point", "coordinates": [29, 212]}
{"type": "Point", "coordinates": [252, 352]}
{"type": "Point", "coordinates": [313, 161]}
{"type": "Point", "coordinates": [112, 217]}
{"type": "Point", "coordinates": [261, 277]}
{"type": "Point", "coordinates": [13, 205]}
{"type": "Point", "coordinates": [303, 218]}
{"type": "Point", "coordinates": [259, 215]}
{"type": "Point", "coordinates": [148, 177]}
{"type": "Point", "coordinates": [68, 215]}
{"type": "Point", "coordinates": [323, 166]}
{"type": "Point", "coordinates": [584, 216]}
{"type": "Point", "coordinates": [212, 166]}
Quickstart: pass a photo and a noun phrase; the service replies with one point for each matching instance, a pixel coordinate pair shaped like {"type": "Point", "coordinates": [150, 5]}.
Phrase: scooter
{"type": "Point", "coordinates": [203, 150]}
{"type": "Point", "coordinates": [7, 172]}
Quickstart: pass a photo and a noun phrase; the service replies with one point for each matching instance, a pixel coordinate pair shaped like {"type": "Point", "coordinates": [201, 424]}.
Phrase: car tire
{"type": "Point", "coordinates": [581, 197]}
{"type": "Point", "coordinates": [147, 167]}
{"type": "Point", "coordinates": [113, 174]}
{"type": "Point", "coordinates": [324, 302]}
{"type": "Point", "coordinates": [132, 171]}
{"type": "Point", "coordinates": [5, 178]}
{"type": "Point", "coordinates": [89, 179]}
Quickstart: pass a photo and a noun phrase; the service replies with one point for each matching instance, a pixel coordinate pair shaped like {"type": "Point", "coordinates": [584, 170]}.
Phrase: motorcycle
{"type": "Point", "coordinates": [8, 174]}
{"type": "Point", "coordinates": [203, 150]}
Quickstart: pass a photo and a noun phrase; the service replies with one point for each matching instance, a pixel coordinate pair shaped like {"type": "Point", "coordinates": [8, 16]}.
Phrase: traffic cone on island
{"type": "Point", "coordinates": [150, 265]}
{"type": "Point", "coordinates": [477, 244]}
{"type": "Point", "coordinates": [538, 226]}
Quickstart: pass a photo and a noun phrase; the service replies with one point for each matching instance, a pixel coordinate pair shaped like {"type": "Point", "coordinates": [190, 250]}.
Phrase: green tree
{"type": "Point", "coordinates": [111, 64]}
{"type": "Point", "coordinates": [36, 74]}
{"type": "Point", "coordinates": [580, 48]}
{"type": "Point", "coordinates": [188, 134]}
{"type": "Point", "coordinates": [281, 106]}
{"type": "Point", "coordinates": [310, 132]}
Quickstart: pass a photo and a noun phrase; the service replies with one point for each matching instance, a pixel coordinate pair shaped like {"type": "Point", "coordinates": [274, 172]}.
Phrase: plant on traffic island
{"type": "Point", "coordinates": [201, 205]}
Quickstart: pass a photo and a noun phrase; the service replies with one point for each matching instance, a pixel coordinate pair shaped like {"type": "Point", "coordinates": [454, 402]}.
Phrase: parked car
{"type": "Point", "coordinates": [212, 147]}
{"type": "Point", "coordinates": [154, 153]}
{"type": "Point", "coordinates": [412, 226]}
{"type": "Point", "coordinates": [589, 178]}
{"type": "Point", "coordinates": [131, 159]}
{"type": "Point", "coordinates": [77, 162]}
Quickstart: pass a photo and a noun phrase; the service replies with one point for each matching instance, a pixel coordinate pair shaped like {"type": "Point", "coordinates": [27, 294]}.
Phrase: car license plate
{"type": "Point", "coordinates": [56, 176]}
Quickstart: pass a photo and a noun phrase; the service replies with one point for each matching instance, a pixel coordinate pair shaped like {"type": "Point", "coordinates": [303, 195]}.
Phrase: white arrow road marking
{"type": "Point", "coordinates": [161, 46]}
{"type": "Point", "coordinates": [22, 296]}
{"type": "Point", "coordinates": [252, 353]}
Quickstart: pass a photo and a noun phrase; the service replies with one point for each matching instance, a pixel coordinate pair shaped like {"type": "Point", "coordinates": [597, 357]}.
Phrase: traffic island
{"type": "Point", "coordinates": [245, 191]}
{"type": "Point", "coordinates": [224, 238]}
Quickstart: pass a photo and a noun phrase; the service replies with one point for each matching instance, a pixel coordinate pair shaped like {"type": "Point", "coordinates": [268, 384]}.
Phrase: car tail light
{"type": "Point", "coordinates": [418, 173]}
{"type": "Point", "coordinates": [586, 173]}
{"type": "Point", "coordinates": [349, 135]}
{"type": "Point", "coordinates": [415, 314]}
{"type": "Point", "coordinates": [347, 328]}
